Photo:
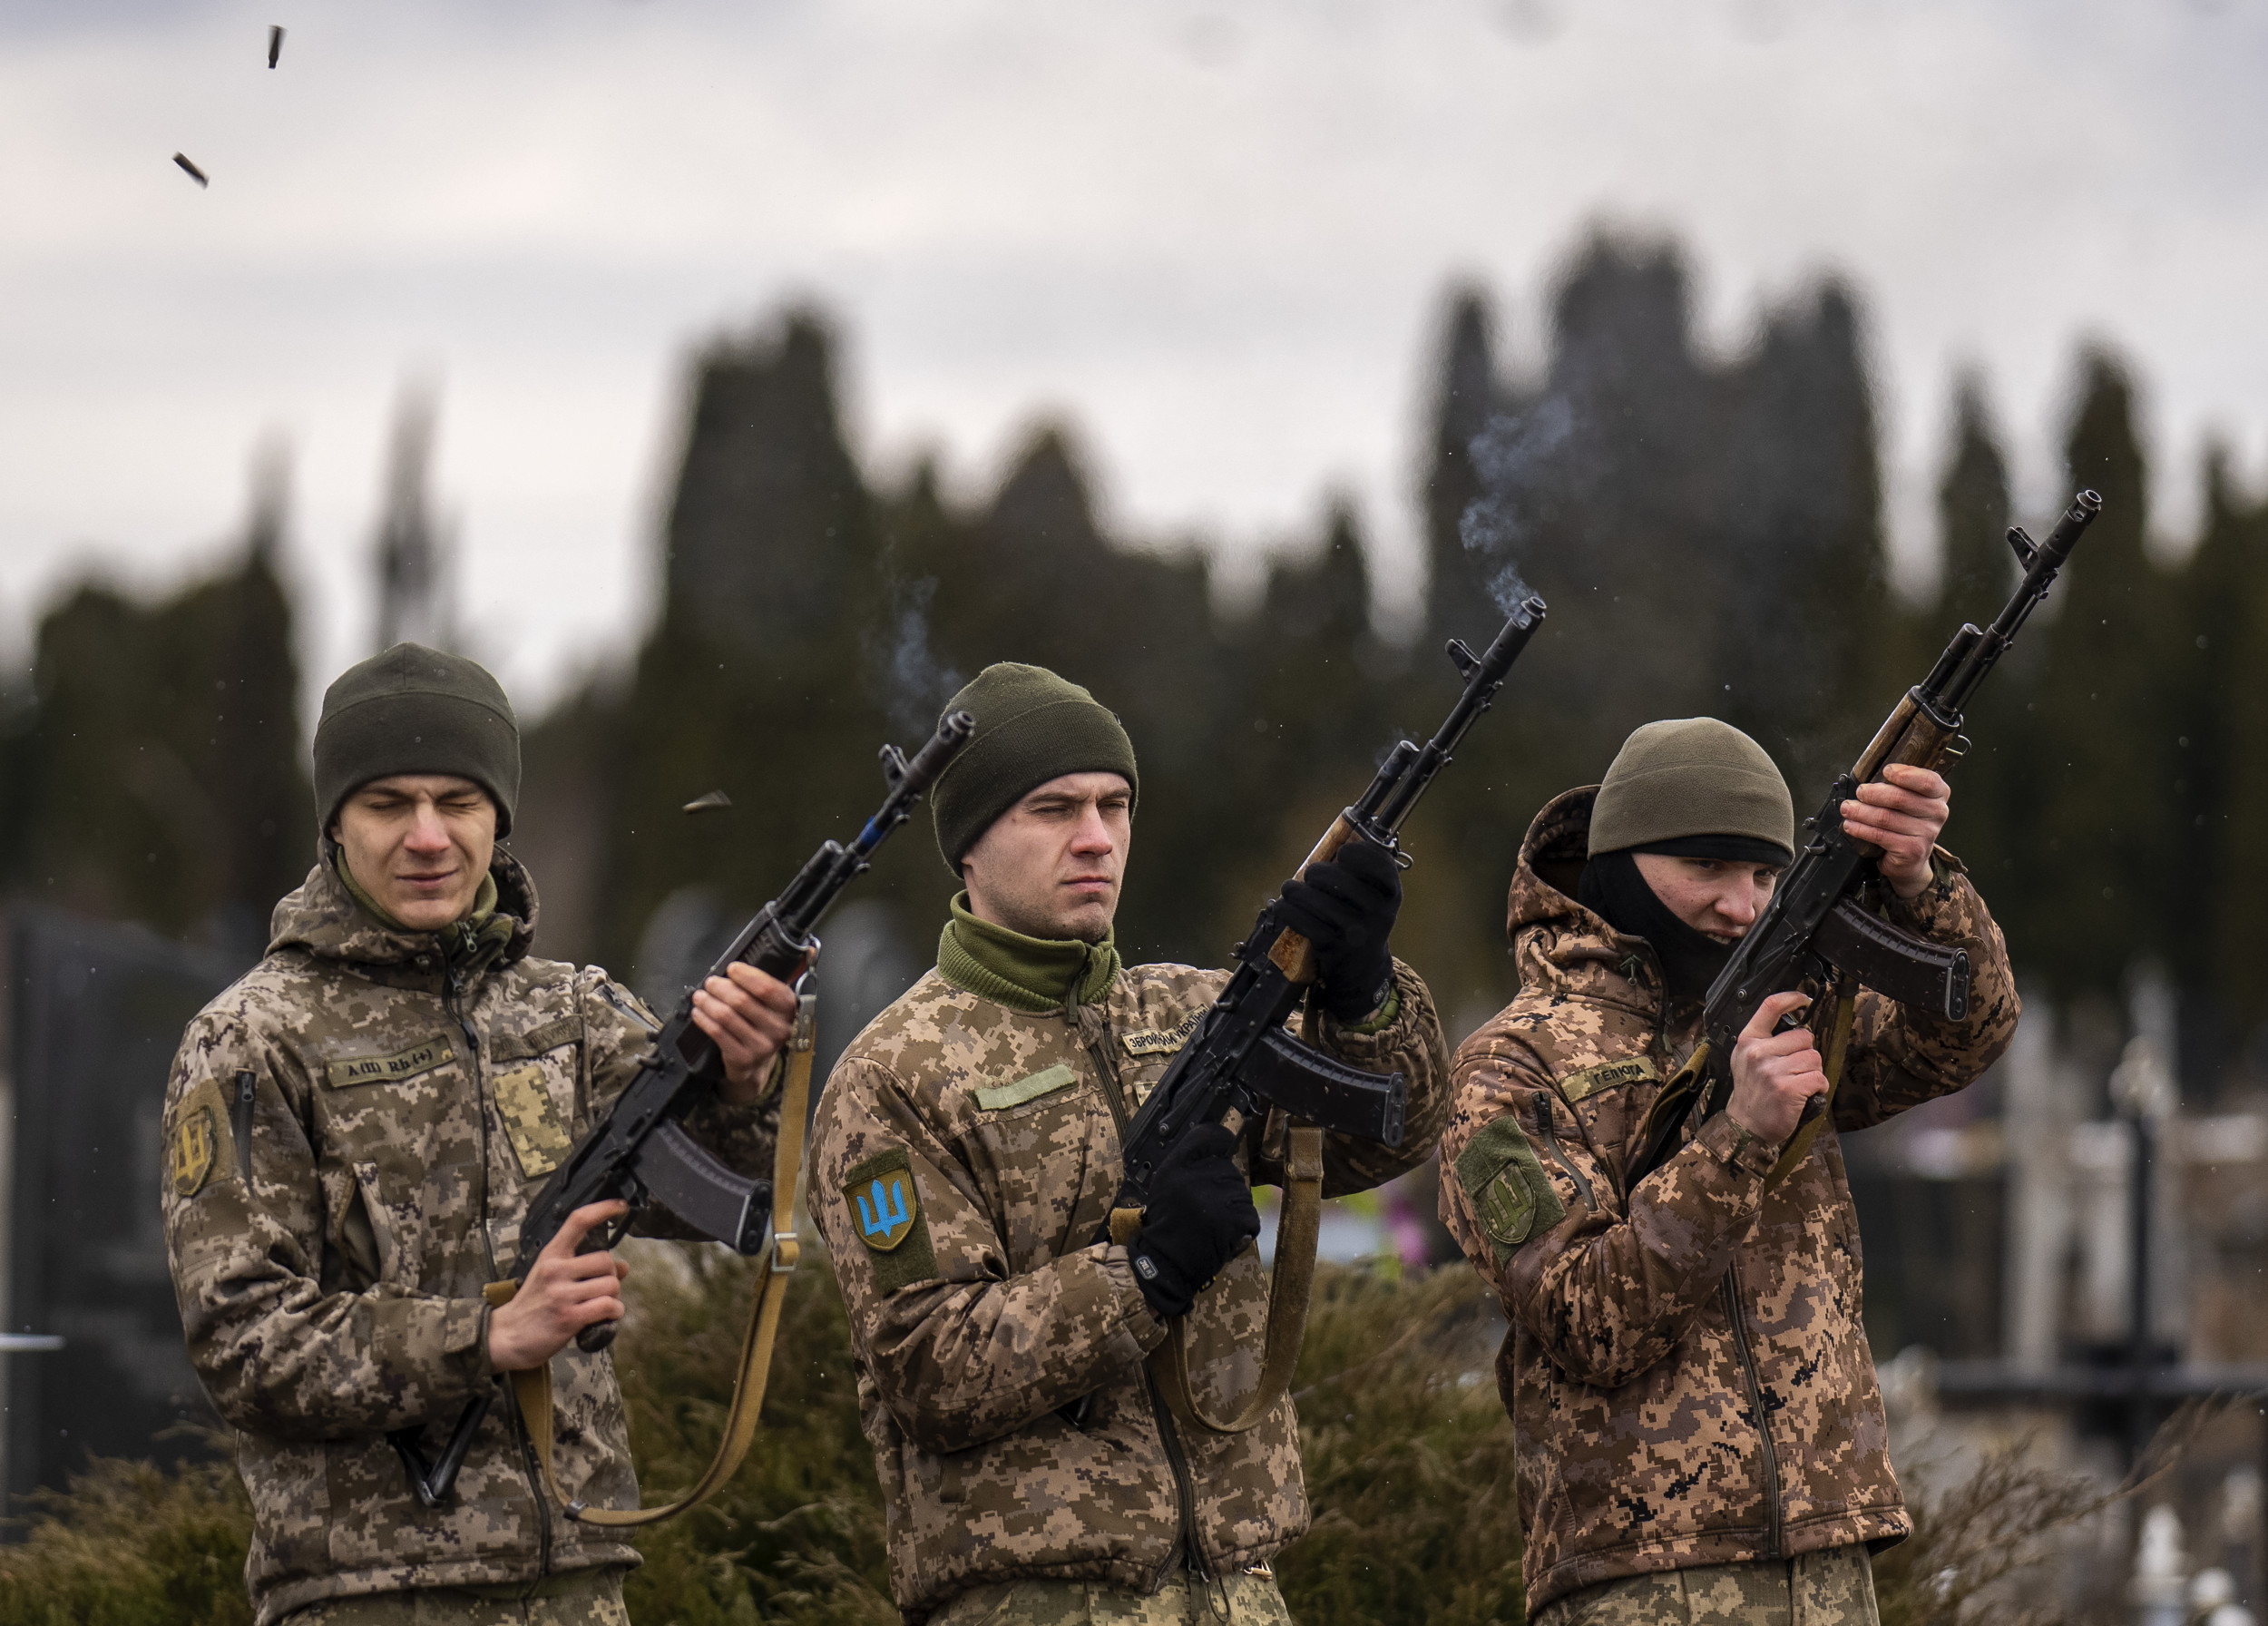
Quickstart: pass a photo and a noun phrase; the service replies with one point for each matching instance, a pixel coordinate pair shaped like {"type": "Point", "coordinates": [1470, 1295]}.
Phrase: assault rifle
{"type": "Point", "coordinates": [1817, 933]}
{"type": "Point", "coordinates": [1240, 1057]}
{"type": "Point", "coordinates": [639, 1152]}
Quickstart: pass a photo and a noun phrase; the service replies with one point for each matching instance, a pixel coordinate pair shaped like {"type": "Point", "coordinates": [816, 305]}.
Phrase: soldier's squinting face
{"type": "Point", "coordinates": [418, 844]}
{"type": "Point", "coordinates": [1710, 894]}
{"type": "Point", "coordinates": [1051, 864]}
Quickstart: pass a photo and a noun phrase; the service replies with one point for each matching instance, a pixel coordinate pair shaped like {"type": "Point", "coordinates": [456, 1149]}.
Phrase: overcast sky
{"type": "Point", "coordinates": [1216, 236]}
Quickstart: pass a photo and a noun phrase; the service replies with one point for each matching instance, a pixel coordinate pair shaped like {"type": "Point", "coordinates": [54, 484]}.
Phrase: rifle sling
{"type": "Point", "coordinates": [1298, 1225]}
{"type": "Point", "coordinates": [532, 1389]}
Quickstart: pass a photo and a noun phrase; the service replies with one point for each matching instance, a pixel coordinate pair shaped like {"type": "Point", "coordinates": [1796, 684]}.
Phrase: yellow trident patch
{"type": "Point", "coordinates": [196, 1139]}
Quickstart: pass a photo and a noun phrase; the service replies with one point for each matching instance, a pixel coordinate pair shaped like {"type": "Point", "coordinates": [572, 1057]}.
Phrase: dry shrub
{"type": "Point", "coordinates": [1409, 1456]}
{"type": "Point", "coordinates": [798, 1533]}
{"type": "Point", "coordinates": [1981, 1549]}
{"type": "Point", "coordinates": [1972, 1541]}
{"type": "Point", "coordinates": [128, 1544]}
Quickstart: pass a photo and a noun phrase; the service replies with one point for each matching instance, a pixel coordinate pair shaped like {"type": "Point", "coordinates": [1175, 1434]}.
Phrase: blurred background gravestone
{"type": "Point", "coordinates": [94, 1013]}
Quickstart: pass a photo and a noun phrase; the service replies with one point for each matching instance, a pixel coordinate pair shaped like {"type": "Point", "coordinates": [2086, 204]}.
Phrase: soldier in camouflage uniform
{"type": "Point", "coordinates": [1700, 1434]}
{"type": "Point", "coordinates": [965, 1157]}
{"type": "Point", "coordinates": [353, 1133]}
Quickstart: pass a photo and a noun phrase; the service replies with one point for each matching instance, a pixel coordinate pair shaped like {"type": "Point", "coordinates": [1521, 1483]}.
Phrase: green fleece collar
{"type": "Point", "coordinates": [470, 945]}
{"type": "Point", "coordinates": [1034, 974]}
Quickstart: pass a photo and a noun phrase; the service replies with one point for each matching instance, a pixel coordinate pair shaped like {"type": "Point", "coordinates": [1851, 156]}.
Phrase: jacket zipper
{"type": "Point", "coordinates": [1551, 1145]}
{"type": "Point", "coordinates": [453, 985]}
{"type": "Point", "coordinates": [1184, 1482]}
{"type": "Point", "coordinates": [1772, 1515]}
{"type": "Point", "coordinates": [240, 1121]}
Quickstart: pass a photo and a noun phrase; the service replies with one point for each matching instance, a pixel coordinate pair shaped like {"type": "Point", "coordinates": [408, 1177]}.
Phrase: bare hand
{"type": "Point", "coordinates": [1902, 817]}
{"type": "Point", "coordinates": [566, 1292]}
{"type": "Point", "coordinates": [750, 1014]}
{"type": "Point", "coordinates": [1774, 1074]}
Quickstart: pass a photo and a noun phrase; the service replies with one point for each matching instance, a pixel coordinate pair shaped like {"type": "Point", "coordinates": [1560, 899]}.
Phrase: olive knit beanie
{"type": "Point", "coordinates": [1696, 787]}
{"type": "Point", "coordinates": [1032, 727]}
{"type": "Point", "coordinates": [413, 710]}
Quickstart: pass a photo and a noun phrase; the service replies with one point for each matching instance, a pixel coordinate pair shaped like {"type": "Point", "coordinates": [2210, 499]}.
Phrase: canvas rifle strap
{"type": "Point", "coordinates": [1298, 1224]}
{"type": "Point", "coordinates": [1817, 1111]}
{"type": "Point", "coordinates": [532, 1389]}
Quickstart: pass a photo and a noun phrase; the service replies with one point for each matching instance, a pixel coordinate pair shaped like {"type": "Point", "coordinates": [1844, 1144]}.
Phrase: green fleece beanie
{"type": "Point", "coordinates": [1688, 777]}
{"type": "Point", "coordinates": [413, 710]}
{"type": "Point", "coordinates": [1032, 727]}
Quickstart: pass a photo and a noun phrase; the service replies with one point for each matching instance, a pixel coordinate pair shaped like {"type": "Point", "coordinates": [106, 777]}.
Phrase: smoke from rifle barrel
{"type": "Point", "coordinates": [915, 684]}
{"type": "Point", "coordinates": [1508, 457]}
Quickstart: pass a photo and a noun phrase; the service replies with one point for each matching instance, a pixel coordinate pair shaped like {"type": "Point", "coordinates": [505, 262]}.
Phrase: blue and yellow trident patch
{"type": "Point", "coordinates": [885, 1209]}
{"type": "Point", "coordinates": [883, 1200]}
{"type": "Point", "coordinates": [885, 1212]}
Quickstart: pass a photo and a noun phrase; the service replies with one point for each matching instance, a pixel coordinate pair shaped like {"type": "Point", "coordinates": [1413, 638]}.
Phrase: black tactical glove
{"type": "Point", "coordinates": [1200, 1216]}
{"type": "Point", "coordinates": [1345, 907]}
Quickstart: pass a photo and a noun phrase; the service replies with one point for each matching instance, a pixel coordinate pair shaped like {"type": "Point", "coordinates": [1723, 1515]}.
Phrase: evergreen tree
{"type": "Point", "coordinates": [1315, 682]}
{"type": "Point", "coordinates": [1035, 580]}
{"type": "Point", "coordinates": [1807, 633]}
{"type": "Point", "coordinates": [2224, 720]}
{"type": "Point", "coordinates": [158, 774]}
{"type": "Point", "coordinates": [755, 682]}
{"type": "Point", "coordinates": [2103, 838]}
{"type": "Point", "coordinates": [1618, 473]}
{"type": "Point", "coordinates": [1470, 397]}
{"type": "Point", "coordinates": [1977, 571]}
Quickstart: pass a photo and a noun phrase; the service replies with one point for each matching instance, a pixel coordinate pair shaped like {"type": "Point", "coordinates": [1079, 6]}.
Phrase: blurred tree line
{"type": "Point", "coordinates": [1708, 533]}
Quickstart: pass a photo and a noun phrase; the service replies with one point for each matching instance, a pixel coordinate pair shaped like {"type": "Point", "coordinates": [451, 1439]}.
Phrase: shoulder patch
{"type": "Point", "coordinates": [420, 1058]}
{"type": "Point", "coordinates": [885, 1205]}
{"type": "Point", "coordinates": [1590, 1080]}
{"type": "Point", "coordinates": [195, 1140]}
{"type": "Point", "coordinates": [1509, 1191]}
{"type": "Point", "coordinates": [1161, 1041]}
{"type": "Point", "coordinates": [193, 1151]}
{"type": "Point", "coordinates": [992, 1098]}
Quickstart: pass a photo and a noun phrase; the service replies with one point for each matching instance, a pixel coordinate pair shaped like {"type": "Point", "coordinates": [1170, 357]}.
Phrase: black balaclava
{"type": "Point", "coordinates": [1613, 889]}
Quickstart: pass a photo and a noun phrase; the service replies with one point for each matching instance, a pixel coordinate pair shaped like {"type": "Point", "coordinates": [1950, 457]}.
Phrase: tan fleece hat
{"type": "Point", "coordinates": [1690, 777]}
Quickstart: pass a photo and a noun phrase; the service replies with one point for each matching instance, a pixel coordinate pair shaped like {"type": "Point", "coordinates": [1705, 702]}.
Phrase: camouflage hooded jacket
{"type": "Point", "coordinates": [353, 1131]}
{"type": "Point", "coordinates": [1000, 1347]}
{"type": "Point", "coordinates": [1687, 1370]}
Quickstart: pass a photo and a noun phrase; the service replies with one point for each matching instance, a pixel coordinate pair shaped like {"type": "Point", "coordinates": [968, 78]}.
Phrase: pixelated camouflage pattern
{"type": "Point", "coordinates": [595, 1599]}
{"type": "Point", "coordinates": [335, 1295]}
{"type": "Point", "coordinates": [1833, 1587]}
{"type": "Point", "coordinates": [964, 1376]}
{"type": "Point", "coordinates": [1242, 1598]}
{"type": "Point", "coordinates": [1656, 1429]}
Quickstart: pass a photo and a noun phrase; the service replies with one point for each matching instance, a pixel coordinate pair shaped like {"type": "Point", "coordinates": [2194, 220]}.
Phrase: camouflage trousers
{"type": "Point", "coordinates": [1247, 1598]}
{"type": "Point", "coordinates": [590, 1598]}
{"type": "Point", "coordinates": [1833, 1588]}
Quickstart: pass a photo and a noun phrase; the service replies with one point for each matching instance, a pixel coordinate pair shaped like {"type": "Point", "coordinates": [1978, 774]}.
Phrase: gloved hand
{"type": "Point", "coordinates": [1200, 1216]}
{"type": "Point", "coordinates": [1347, 906]}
